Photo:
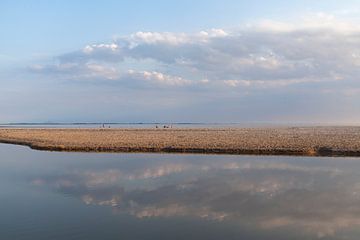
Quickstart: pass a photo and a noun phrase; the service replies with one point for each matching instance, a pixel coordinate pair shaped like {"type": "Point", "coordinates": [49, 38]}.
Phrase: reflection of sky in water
{"type": "Point", "coordinates": [286, 197]}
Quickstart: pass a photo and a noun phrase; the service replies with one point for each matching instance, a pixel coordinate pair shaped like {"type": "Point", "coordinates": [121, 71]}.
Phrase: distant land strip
{"type": "Point", "coordinates": [298, 141]}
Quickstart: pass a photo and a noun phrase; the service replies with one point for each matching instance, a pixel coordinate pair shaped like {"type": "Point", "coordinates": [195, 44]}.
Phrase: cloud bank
{"type": "Point", "coordinates": [265, 54]}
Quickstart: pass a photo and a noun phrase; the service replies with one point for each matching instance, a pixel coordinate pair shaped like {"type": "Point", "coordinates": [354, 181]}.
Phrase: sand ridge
{"type": "Point", "coordinates": [302, 141]}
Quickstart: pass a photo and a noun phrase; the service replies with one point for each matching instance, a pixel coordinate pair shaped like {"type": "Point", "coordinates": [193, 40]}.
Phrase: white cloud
{"type": "Point", "coordinates": [320, 48]}
{"type": "Point", "coordinates": [272, 83]}
{"type": "Point", "coordinates": [312, 21]}
{"type": "Point", "coordinates": [78, 71]}
{"type": "Point", "coordinates": [235, 83]}
{"type": "Point", "coordinates": [96, 70]}
{"type": "Point", "coordinates": [214, 32]}
{"type": "Point", "coordinates": [90, 48]}
{"type": "Point", "coordinates": [158, 38]}
{"type": "Point", "coordinates": [159, 78]}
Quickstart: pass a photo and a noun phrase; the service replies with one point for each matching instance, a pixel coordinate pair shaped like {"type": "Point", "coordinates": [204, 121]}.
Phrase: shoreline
{"type": "Point", "coordinates": [291, 141]}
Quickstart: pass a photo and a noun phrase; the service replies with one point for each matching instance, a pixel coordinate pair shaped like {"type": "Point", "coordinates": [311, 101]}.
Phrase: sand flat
{"type": "Point", "coordinates": [304, 141]}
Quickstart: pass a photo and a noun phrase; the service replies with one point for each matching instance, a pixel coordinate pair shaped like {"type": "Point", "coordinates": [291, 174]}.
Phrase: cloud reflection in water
{"type": "Point", "coordinates": [319, 199]}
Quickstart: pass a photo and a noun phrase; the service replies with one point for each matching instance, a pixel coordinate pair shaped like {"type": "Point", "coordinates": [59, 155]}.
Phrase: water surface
{"type": "Point", "coordinates": [51, 195]}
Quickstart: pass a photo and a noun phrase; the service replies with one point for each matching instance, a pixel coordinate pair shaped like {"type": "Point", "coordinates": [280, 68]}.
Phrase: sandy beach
{"type": "Point", "coordinates": [302, 141]}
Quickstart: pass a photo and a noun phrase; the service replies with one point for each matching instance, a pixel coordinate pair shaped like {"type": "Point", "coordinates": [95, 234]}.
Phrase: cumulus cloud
{"type": "Point", "coordinates": [318, 49]}
{"type": "Point", "coordinates": [158, 78]}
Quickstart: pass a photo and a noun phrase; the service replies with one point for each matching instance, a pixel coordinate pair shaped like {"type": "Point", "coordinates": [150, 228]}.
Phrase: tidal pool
{"type": "Point", "coordinates": [52, 195]}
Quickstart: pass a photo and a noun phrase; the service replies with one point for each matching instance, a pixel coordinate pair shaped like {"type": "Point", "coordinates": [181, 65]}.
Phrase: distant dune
{"type": "Point", "coordinates": [302, 141]}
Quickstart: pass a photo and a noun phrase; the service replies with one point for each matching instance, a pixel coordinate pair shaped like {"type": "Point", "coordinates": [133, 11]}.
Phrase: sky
{"type": "Point", "coordinates": [180, 61]}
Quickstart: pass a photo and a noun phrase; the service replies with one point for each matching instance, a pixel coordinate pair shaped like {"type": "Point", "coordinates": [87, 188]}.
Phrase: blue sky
{"type": "Point", "coordinates": [208, 61]}
{"type": "Point", "coordinates": [54, 26]}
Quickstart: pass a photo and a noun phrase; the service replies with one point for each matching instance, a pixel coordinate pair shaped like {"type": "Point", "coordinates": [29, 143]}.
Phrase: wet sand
{"type": "Point", "coordinates": [302, 141]}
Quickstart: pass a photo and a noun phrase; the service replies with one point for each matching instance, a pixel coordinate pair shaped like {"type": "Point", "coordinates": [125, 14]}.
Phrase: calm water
{"type": "Point", "coordinates": [48, 195]}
